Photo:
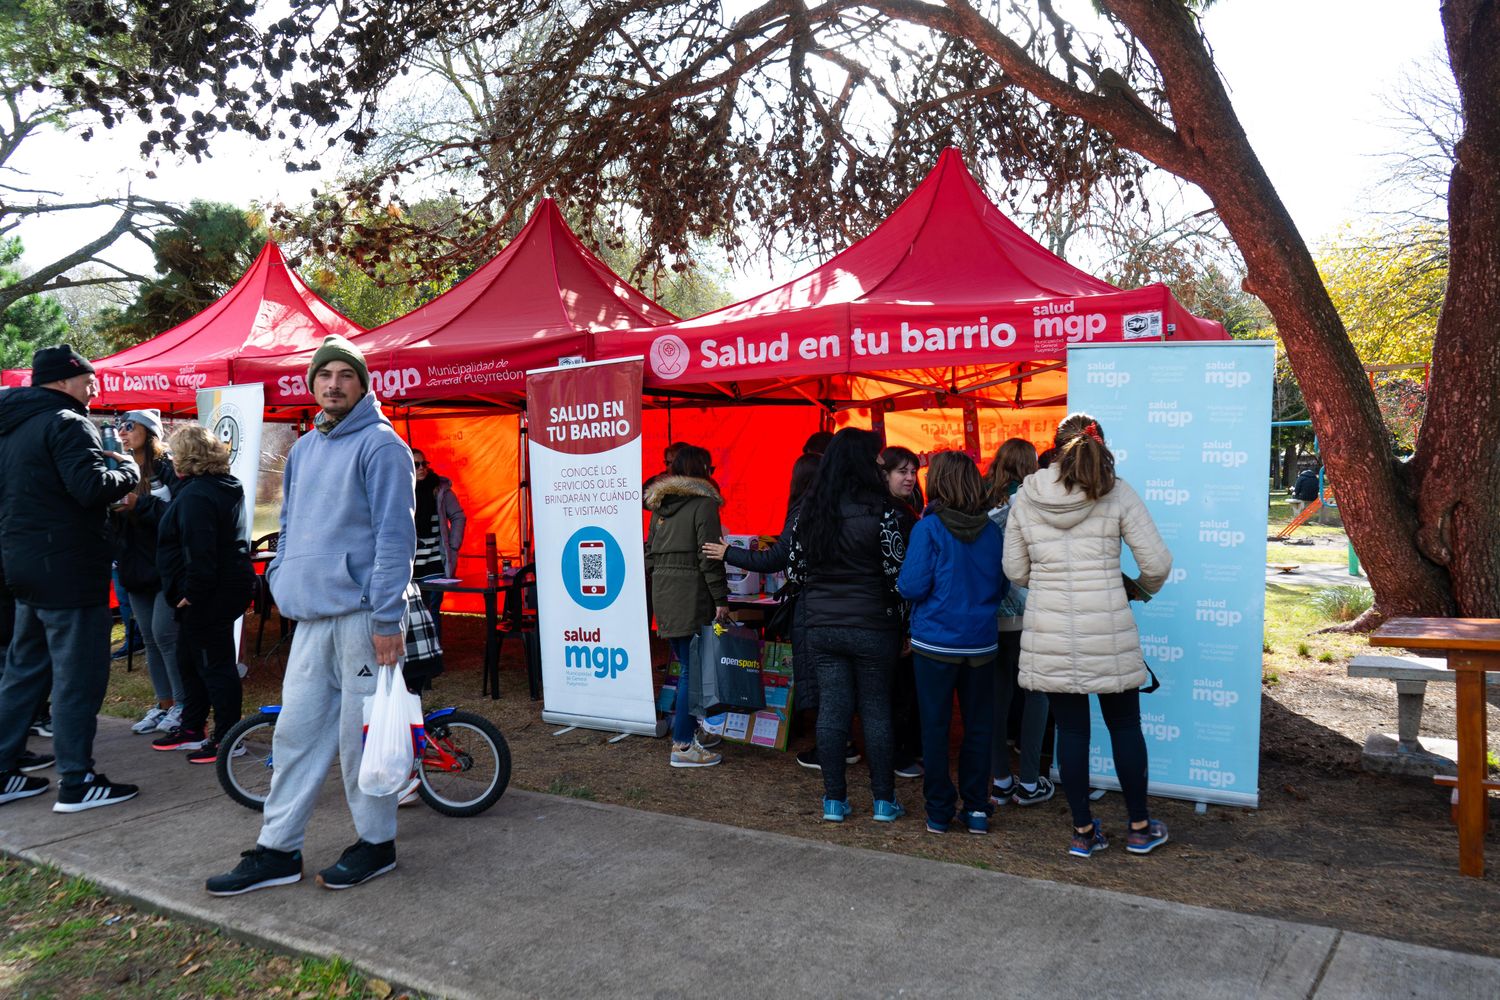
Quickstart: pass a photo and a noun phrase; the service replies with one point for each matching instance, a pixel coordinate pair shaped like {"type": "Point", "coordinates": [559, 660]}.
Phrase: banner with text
{"type": "Point", "coordinates": [236, 414]}
{"type": "Point", "coordinates": [1190, 427]}
{"type": "Point", "coordinates": [584, 443]}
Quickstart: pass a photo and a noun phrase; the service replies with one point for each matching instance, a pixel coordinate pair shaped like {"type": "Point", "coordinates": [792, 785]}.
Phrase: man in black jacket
{"type": "Point", "coordinates": [54, 540]}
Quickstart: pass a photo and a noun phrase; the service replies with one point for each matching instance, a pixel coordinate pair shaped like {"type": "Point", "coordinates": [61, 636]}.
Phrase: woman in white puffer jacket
{"type": "Point", "coordinates": [1079, 638]}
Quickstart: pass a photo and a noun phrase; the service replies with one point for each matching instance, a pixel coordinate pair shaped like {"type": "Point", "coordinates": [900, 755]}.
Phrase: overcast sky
{"type": "Point", "coordinates": [1306, 76]}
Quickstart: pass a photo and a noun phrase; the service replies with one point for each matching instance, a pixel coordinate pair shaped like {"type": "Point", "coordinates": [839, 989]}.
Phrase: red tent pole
{"type": "Point", "coordinates": [971, 427]}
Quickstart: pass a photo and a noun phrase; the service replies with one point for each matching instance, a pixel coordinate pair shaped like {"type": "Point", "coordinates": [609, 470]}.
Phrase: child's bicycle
{"type": "Point", "coordinates": [464, 765]}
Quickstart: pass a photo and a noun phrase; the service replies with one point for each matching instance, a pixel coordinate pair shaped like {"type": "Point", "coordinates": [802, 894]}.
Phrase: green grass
{"type": "Point", "coordinates": [561, 786]}
{"type": "Point", "coordinates": [1279, 553]}
{"type": "Point", "coordinates": [62, 937]}
{"type": "Point", "coordinates": [1292, 618]}
{"type": "Point", "coordinates": [1343, 603]}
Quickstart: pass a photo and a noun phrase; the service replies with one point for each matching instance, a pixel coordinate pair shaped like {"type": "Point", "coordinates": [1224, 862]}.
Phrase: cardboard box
{"type": "Point", "coordinates": [769, 727]}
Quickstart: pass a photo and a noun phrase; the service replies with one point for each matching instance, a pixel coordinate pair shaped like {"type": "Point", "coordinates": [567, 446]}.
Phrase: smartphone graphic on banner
{"type": "Point", "coordinates": [591, 567]}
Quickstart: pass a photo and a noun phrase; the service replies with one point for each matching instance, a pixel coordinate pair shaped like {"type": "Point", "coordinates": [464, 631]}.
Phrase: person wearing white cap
{"type": "Point", "coordinates": [135, 521]}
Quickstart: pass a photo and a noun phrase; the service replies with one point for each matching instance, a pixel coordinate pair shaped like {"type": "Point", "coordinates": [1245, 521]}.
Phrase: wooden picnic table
{"type": "Point", "coordinates": [1472, 646]}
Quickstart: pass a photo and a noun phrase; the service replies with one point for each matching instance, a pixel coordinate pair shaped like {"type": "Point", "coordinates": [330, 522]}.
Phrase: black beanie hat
{"type": "Point", "coordinates": [56, 364]}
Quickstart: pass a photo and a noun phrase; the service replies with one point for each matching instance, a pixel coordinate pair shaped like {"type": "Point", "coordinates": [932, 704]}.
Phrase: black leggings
{"type": "Point", "coordinates": [210, 676]}
{"type": "Point", "coordinates": [1122, 714]}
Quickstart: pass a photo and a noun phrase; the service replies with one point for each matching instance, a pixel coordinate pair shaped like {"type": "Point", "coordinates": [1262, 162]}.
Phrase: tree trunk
{"type": "Point", "coordinates": [1456, 468]}
{"type": "Point", "coordinates": [1375, 501]}
{"type": "Point", "coordinates": [1289, 463]}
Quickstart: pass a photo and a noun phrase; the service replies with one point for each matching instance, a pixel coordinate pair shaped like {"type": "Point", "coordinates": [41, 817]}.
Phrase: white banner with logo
{"type": "Point", "coordinates": [235, 414]}
{"type": "Point", "coordinates": [1190, 427]}
{"type": "Point", "coordinates": [584, 441]}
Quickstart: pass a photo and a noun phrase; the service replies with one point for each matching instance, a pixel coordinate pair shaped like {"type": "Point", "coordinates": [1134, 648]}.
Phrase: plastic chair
{"type": "Point", "coordinates": [518, 617]}
{"type": "Point", "coordinates": [263, 602]}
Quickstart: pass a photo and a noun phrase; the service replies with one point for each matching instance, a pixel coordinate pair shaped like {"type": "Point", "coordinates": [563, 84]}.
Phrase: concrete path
{"type": "Point", "coordinates": [553, 897]}
{"type": "Point", "coordinates": [1316, 574]}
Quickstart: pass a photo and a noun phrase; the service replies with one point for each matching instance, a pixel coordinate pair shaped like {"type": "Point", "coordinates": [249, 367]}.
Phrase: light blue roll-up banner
{"type": "Point", "coordinates": [1190, 427]}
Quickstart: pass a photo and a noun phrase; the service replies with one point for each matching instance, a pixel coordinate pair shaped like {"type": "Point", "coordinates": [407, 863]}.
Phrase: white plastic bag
{"type": "Point", "coordinates": [386, 765]}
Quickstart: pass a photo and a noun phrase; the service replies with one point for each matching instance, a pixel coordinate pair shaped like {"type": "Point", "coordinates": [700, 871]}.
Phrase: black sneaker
{"type": "Point", "coordinates": [29, 761]}
{"type": "Point", "coordinates": [359, 863]}
{"type": "Point", "coordinates": [258, 869]}
{"type": "Point", "coordinates": [42, 727]}
{"type": "Point", "coordinates": [208, 753]}
{"type": "Point", "coordinates": [909, 769]}
{"type": "Point", "coordinates": [809, 759]}
{"type": "Point", "coordinates": [181, 739]}
{"type": "Point", "coordinates": [15, 785]}
{"type": "Point", "coordinates": [95, 791]}
{"type": "Point", "coordinates": [1044, 791]}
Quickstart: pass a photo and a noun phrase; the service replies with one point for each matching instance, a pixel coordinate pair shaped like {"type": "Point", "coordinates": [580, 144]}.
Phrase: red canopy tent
{"type": "Point", "coordinates": [268, 311]}
{"type": "Point", "coordinates": [534, 303]}
{"type": "Point", "coordinates": [537, 301]}
{"type": "Point", "coordinates": [947, 327]}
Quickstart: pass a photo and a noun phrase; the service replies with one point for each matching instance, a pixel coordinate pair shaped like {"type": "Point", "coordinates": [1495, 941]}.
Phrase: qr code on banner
{"type": "Point", "coordinates": [593, 565]}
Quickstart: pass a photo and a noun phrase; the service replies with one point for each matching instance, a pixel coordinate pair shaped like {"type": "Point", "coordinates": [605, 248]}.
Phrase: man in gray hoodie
{"type": "Point", "coordinates": [343, 562]}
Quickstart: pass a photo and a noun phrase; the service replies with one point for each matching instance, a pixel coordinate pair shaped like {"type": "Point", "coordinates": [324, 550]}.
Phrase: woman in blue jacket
{"type": "Point", "coordinates": [952, 578]}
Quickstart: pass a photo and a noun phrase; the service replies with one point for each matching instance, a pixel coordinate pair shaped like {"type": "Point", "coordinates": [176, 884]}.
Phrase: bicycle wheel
{"type": "Point", "coordinates": [247, 777]}
{"type": "Point", "coordinates": [466, 766]}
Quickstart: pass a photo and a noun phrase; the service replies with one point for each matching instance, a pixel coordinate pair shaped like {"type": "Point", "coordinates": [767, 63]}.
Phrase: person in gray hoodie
{"type": "Point", "coordinates": [343, 563]}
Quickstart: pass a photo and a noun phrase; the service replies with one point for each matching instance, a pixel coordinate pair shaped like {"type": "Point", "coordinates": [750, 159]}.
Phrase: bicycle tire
{"type": "Point", "coordinates": [247, 778]}
{"type": "Point", "coordinates": [480, 784]}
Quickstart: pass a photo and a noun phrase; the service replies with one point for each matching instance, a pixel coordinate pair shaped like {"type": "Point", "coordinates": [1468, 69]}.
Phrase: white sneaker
{"type": "Point", "coordinates": [409, 794]}
{"type": "Point", "coordinates": [693, 755]}
{"type": "Point", "coordinates": [150, 721]}
{"type": "Point", "coordinates": [171, 719]}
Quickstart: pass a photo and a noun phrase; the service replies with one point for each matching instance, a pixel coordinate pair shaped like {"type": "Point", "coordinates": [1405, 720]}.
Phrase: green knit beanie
{"type": "Point", "coordinates": [336, 348]}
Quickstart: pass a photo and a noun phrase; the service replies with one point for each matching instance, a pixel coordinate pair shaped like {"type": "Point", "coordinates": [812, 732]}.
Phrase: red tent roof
{"type": "Point", "coordinates": [268, 311]}
{"type": "Point", "coordinates": [946, 282]}
{"type": "Point", "coordinates": [536, 302]}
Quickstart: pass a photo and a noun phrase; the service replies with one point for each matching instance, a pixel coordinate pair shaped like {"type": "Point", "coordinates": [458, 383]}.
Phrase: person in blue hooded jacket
{"type": "Point", "coordinates": [952, 578]}
{"type": "Point", "coordinates": [343, 563]}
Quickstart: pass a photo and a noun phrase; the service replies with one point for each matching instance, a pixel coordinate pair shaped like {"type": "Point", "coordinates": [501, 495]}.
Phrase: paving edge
{"type": "Point", "coordinates": [294, 946]}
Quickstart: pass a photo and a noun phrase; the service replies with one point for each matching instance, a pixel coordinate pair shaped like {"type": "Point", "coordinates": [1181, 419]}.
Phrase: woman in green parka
{"type": "Point", "coordinates": [688, 590]}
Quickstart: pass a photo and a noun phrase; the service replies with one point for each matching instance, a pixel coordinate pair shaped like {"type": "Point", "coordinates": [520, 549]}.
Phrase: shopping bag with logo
{"type": "Point", "coordinates": [393, 714]}
{"type": "Point", "coordinates": [726, 674]}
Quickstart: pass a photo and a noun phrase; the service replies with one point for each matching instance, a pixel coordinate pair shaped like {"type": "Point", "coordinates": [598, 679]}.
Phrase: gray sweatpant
{"type": "Point", "coordinates": [158, 624]}
{"type": "Point", "coordinates": [329, 674]}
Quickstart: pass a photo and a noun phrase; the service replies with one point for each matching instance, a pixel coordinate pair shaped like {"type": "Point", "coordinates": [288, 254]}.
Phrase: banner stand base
{"type": "Point", "coordinates": [657, 728]}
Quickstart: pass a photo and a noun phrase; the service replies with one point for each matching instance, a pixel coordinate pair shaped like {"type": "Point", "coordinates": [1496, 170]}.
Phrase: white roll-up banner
{"type": "Point", "coordinates": [584, 441]}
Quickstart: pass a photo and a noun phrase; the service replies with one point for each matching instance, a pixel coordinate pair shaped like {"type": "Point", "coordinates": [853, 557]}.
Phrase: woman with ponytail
{"type": "Point", "coordinates": [1062, 541]}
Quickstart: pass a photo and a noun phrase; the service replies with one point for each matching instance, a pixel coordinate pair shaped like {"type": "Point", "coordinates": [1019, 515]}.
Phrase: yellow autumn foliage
{"type": "Point", "coordinates": [1388, 287]}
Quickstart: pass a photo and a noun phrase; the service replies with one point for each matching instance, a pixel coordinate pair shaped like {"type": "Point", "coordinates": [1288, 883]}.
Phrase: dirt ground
{"type": "Point", "coordinates": [1330, 843]}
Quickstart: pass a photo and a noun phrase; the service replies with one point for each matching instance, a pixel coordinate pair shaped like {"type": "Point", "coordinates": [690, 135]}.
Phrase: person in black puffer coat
{"type": "Point", "coordinates": [847, 551]}
{"type": "Point", "coordinates": [774, 560]}
{"type": "Point", "coordinates": [54, 537]}
{"type": "Point", "coordinates": [204, 560]}
{"type": "Point", "coordinates": [134, 522]}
